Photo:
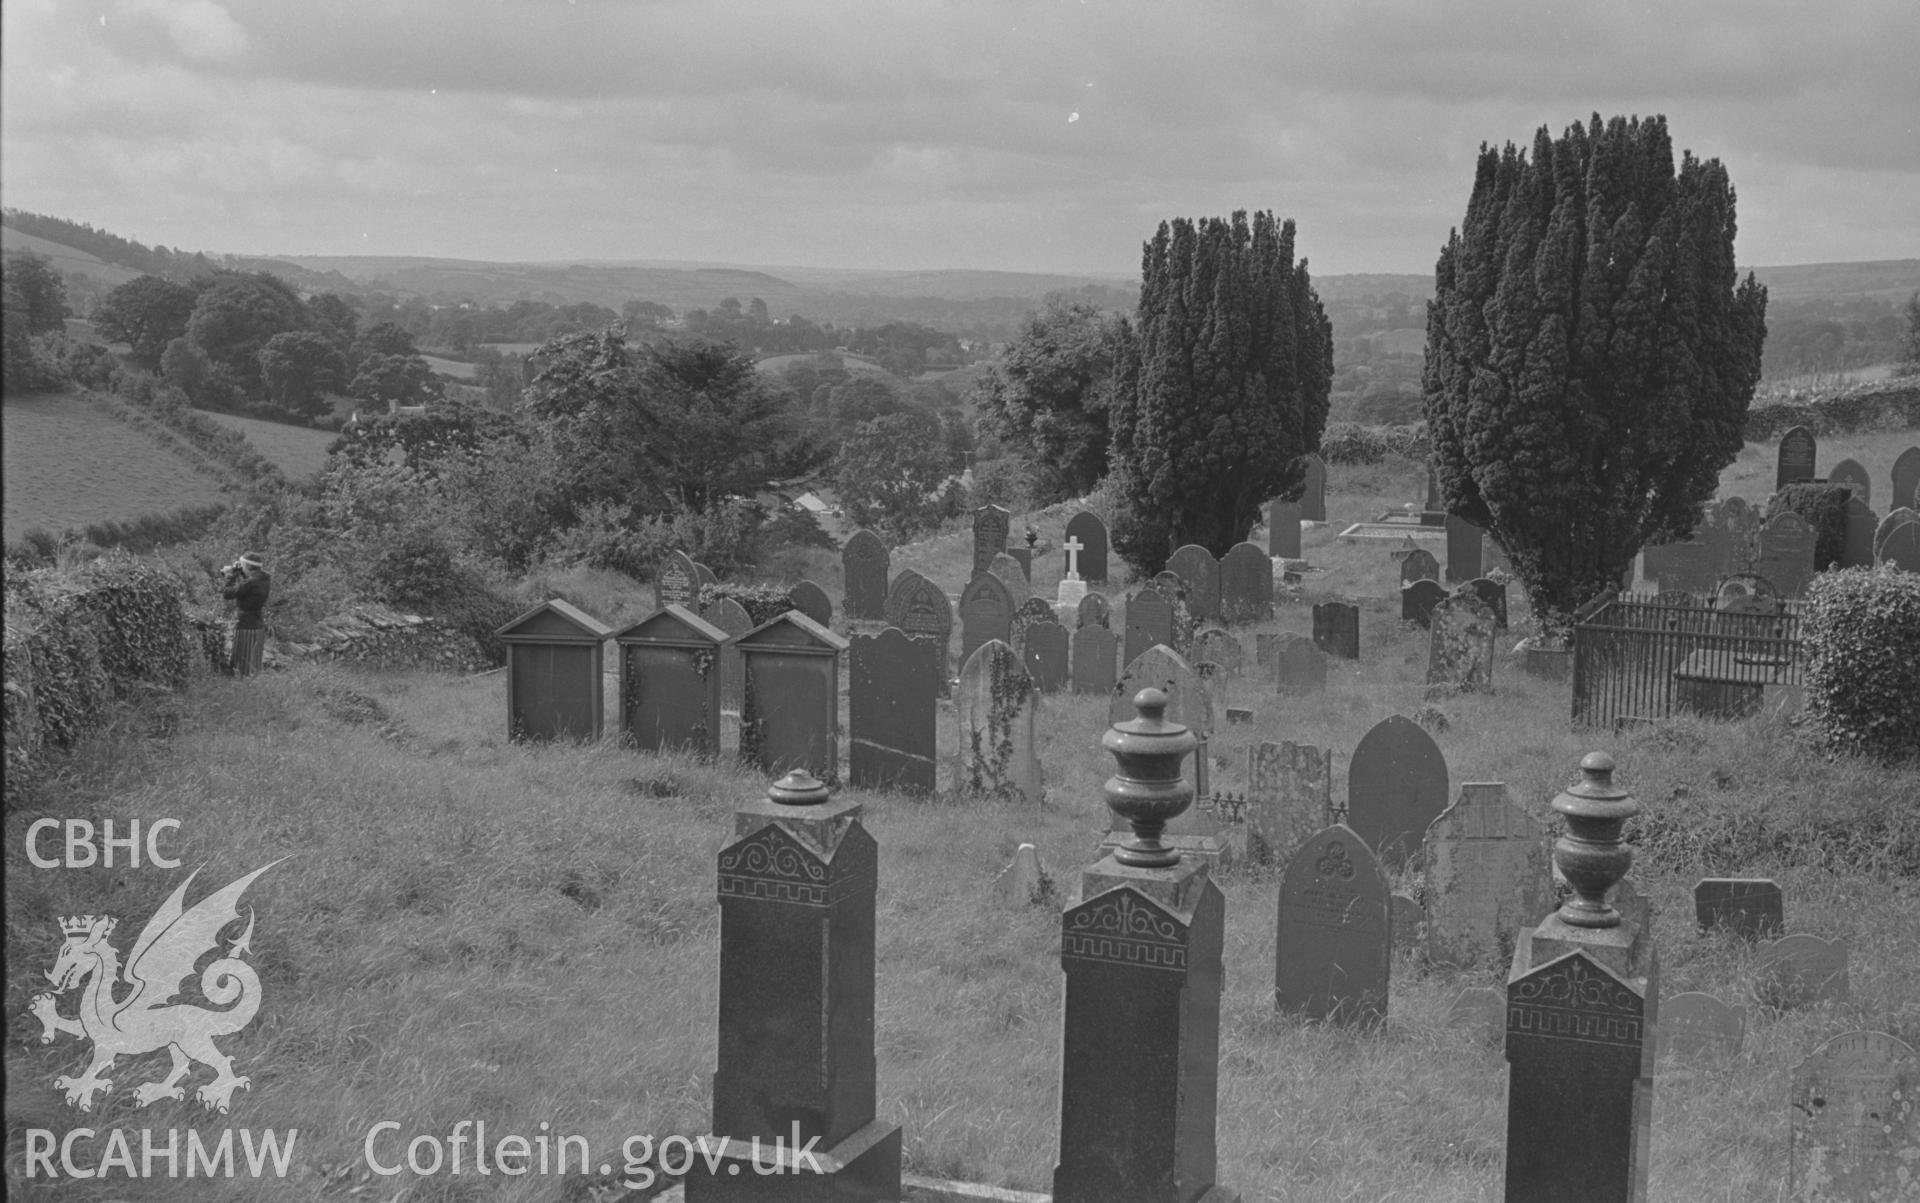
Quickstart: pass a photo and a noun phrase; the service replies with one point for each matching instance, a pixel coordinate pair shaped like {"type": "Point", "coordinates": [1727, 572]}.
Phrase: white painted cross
{"type": "Point", "coordinates": [1073, 548]}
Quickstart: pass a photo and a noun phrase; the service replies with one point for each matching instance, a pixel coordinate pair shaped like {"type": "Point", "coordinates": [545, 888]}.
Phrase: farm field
{"type": "Point", "coordinates": [452, 367]}
{"type": "Point", "coordinates": [299, 451]}
{"type": "Point", "coordinates": [68, 463]}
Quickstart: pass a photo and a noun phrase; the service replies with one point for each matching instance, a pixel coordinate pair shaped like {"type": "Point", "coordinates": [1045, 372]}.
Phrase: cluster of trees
{"type": "Point", "coordinates": [1812, 337]}
{"type": "Point", "coordinates": [35, 314]}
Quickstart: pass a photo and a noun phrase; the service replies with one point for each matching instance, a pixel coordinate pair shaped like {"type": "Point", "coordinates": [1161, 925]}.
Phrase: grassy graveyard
{"type": "Point", "coordinates": [465, 928]}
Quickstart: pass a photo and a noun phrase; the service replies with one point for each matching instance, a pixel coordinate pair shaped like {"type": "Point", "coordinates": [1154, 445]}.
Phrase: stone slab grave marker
{"type": "Point", "coordinates": [790, 714]}
{"type": "Point", "coordinates": [1090, 533]}
{"type": "Point", "coordinates": [1786, 553]}
{"type": "Point", "coordinates": [676, 582]}
{"type": "Point", "coordinates": [1022, 558]}
{"type": "Point", "coordinates": [1093, 610]}
{"type": "Point", "coordinates": [1313, 492]}
{"type": "Point", "coordinates": [1221, 648]}
{"type": "Point", "coordinates": [1300, 667]}
{"type": "Point", "coordinates": [555, 653]}
{"type": "Point", "coordinates": [1024, 882]}
{"type": "Point", "coordinates": [1849, 474]}
{"type": "Point", "coordinates": [920, 608]}
{"type": "Point", "coordinates": [670, 682]}
{"type": "Point", "coordinates": [730, 616]}
{"type": "Point", "coordinates": [1800, 971]}
{"type": "Point", "coordinates": [1246, 584]}
{"type": "Point", "coordinates": [1857, 550]}
{"type": "Point", "coordinates": [1463, 550]}
{"type": "Point", "coordinates": [1489, 877]}
{"type": "Point", "coordinates": [1895, 519]}
{"type": "Point", "coordinates": [1418, 599]}
{"type": "Point", "coordinates": [1044, 655]}
{"type": "Point", "coordinates": [892, 701]}
{"type": "Point", "coordinates": [1461, 647]}
{"type": "Point", "coordinates": [1012, 576]}
{"type": "Point", "coordinates": [1749, 907]}
{"type": "Point", "coordinates": [1333, 941]}
{"type": "Point", "coordinates": [1336, 629]}
{"type": "Point", "coordinates": [1189, 702]}
{"type": "Point", "coordinates": [1396, 788]}
{"type": "Point", "coordinates": [706, 577]}
{"type": "Point", "coordinates": [797, 888]}
{"type": "Point", "coordinates": [986, 613]}
{"type": "Point", "coordinates": [1796, 458]}
{"type": "Point", "coordinates": [1492, 595]}
{"type": "Point", "coordinates": [995, 708]}
{"type": "Point", "coordinates": [1289, 797]}
{"type": "Point", "coordinates": [1482, 1012]}
{"type": "Point", "coordinates": [1729, 529]}
{"type": "Point", "coordinates": [1026, 614]}
{"type": "Point", "coordinates": [864, 563]}
{"type": "Point", "coordinates": [1901, 547]}
{"type": "Point", "coordinates": [1149, 622]}
{"type": "Point", "coordinates": [1695, 1023]}
{"type": "Point", "coordinates": [1682, 567]}
{"type": "Point", "coordinates": [1094, 664]}
{"type": "Point", "coordinates": [1283, 529]}
{"type": "Point", "coordinates": [1906, 480]}
{"type": "Point", "coordinates": [810, 599]}
{"type": "Point", "coordinates": [1855, 1121]}
{"type": "Point", "coordinates": [990, 525]}
{"type": "Point", "coordinates": [1200, 573]}
{"type": "Point", "coordinates": [1419, 565]}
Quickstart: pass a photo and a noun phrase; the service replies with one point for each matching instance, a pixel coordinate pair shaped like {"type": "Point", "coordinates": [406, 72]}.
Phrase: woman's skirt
{"type": "Point", "coordinates": [249, 649]}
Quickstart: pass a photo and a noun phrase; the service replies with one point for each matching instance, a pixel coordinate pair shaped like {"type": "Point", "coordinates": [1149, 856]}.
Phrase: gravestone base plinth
{"type": "Point", "coordinates": [863, 1166]}
{"type": "Point", "coordinates": [1213, 849]}
{"type": "Point", "coordinates": [1071, 591]}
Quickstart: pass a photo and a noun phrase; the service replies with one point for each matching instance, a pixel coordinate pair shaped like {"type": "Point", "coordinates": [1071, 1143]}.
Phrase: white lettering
{"type": "Point", "coordinates": [40, 1143]}
{"type": "Point", "coordinates": [806, 1151]}
{"type": "Point", "coordinates": [66, 1153]}
{"type": "Point", "coordinates": [80, 839]}
{"type": "Point", "coordinates": [639, 1175]}
{"type": "Point", "coordinates": [458, 1139]}
{"type": "Point", "coordinates": [33, 843]}
{"type": "Point", "coordinates": [686, 1160]}
{"type": "Point", "coordinates": [131, 843]}
{"type": "Point", "coordinates": [561, 1168]}
{"type": "Point", "coordinates": [118, 1153]}
{"type": "Point", "coordinates": [148, 1153]}
{"type": "Point", "coordinates": [501, 1152]}
{"type": "Point", "coordinates": [153, 844]}
{"type": "Point", "coordinates": [366, 1149]}
{"type": "Point", "coordinates": [413, 1158]}
{"type": "Point", "coordinates": [222, 1154]}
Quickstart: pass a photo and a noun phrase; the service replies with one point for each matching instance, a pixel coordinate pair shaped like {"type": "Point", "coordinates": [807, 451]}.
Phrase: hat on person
{"type": "Point", "coordinates": [251, 560]}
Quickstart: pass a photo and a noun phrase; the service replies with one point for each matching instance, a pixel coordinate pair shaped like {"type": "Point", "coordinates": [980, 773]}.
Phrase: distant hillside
{"type": "Point", "coordinates": [1879, 279]}
{"type": "Point", "coordinates": [68, 261]}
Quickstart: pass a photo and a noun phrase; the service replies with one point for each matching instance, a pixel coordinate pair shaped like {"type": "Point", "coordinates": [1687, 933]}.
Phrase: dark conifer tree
{"type": "Point", "coordinates": [1232, 371]}
{"type": "Point", "coordinates": [1590, 352]}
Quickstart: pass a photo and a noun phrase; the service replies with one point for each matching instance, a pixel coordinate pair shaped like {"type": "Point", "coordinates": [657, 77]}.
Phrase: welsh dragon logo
{"type": "Point", "coordinates": [147, 1019]}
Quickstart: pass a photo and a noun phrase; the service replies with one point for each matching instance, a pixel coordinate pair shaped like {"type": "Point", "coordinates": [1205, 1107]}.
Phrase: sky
{"type": "Point", "coordinates": [1022, 135]}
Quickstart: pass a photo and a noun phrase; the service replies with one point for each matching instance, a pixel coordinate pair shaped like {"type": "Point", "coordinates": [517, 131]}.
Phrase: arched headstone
{"type": "Point", "coordinates": [1857, 550]}
{"type": "Point", "coordinates": [986, 613]}
{"type": "Point", "coordinates": [1419, 565]}
{"type": "Point", "coordinates": [1333, 940]}
{"type": "Point", "coordinates": [1200, 572]}
{"type": "Point", "coordinates": [810, 599]}
{"type": "Point", "coordinates": [1094, 611]}
{"type": "Point", "coordinates": [1094, 668]}
{"type": "Point", "coordinates": [1460, 648]}
{"type": "Point", "coordinates": [864, 563]}
{"type": "Point", "coordinates": [1851, 475]}
{"type": "Point", "coordinates": [990, 524]}
{"type": "Point", "coordinates": [1906, 479]}
{"type": "Point", "coordinates": [1246, 584]}
{"type": "Point", "coordinates": [1786, 553]}
{"type": "Point", "coordinates": [1396, 788]}
{"type": "Point", "coordinates": [995, 709]}
{"type": "Point", "coordinates": [1149, 621]}
{"type": "Point", "coordinates": [1798, 453]}
{"type": "Point", "coordinates": [1090, 532]}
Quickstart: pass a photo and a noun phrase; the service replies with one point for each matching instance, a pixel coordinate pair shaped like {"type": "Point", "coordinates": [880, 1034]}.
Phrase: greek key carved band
{"type": "Point", "coordinates": [774, 889]}
{"type": "Point", "coordinates": [1113, 950]}
{"type": "Point", "coordinates": [1562, 1023]}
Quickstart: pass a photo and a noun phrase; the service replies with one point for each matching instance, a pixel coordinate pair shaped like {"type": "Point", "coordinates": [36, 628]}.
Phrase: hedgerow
{"type": "Point", "coordinates": [1862, 635]}
{"type": "Point", "coordinates": [1825, 509]}
{"type": "Point", "coordinates": [1891, 404]}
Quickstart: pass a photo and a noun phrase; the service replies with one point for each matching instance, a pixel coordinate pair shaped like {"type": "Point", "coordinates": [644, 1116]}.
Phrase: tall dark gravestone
{"type": "Point", "coordinates": [920, 608]}
{"type": "Point", "coordinates": [1200, 573]}
{"type": "Point", "coordinates": [1901, 546]}
{"type": "Point", "coordinates": [1464, 549]}
{"type": "Point", "coordinates": [1149, 621]}
{"type": "Point", "coordinates": [729, 616]}
{"type": "Point", "coordinates": [986, 613]}
{"type": "Point", "coordinates": [1094, 667]}
{"type": "Point", "coordinates": [670, 682]}
{"type": "Point", "coordinates": [1786, 553]}
{"type": "Point", "coordinates": [676, 582]}
{"type": "Point", "coordinates": [1091, 533]}
{"type": "Point", "coordinates": [1246, 584]}
{"type": "Point", "coordinates": [1029, 613]}
{"type": "Point", "coordinates": [864, 563]}
{"type": "Point", "coordinates": [1044, 655]}
{"type": "Point", "coordinates": [1396, 788]}
{"type": "Point", "coordinates": [1418, 599]}
{"type": "Point", "coordinates": [554, 659]}
{"type": "Point", "coordinates": [1299, 666]}
{"type": "Point", "coordinates": [1582, 1005]}
{"type": "Point", "coordinates": [1906, 480]}
{"type": "Point", "coordinates": [810, 599]}
{"type": "Point", "coordinates": [1093, 610]}
{"type": "Point", "coordinates": [1461, 644]}
{"type": "Point", "coordinates": [1419, 565]}
{"type": "Point", "coordinates": [1855, 1107]}
{"type": "Point", "coordinates": [891, 704]}
{"type": "Point", "coordinates": [990, 524]}
{"type": "Point", "coordinates": [1492, 595]}
{"type": "Point", "coordinates": [1283, 529]}
{"type": "Point", "coordinates": [1489, 877]}
{"type": "Point", "coordinates": [1313, 494]}
{"type": "Point", "coordinates": [1336, 629]}
{"type": "Point", "coordinates": [1857, 551]}
{"type": "Point", "coordinates": [796, 1060]}
{"type": "Point", "coordinates": [1140, 1045]}
{"type": "Point", "coordinates": [1850, 475]}
{"type": "Point", "coordinates": [1333, 941]}
{"type": "Point", "coordinates": [1012, 575]}
{"type": "Point", "coordinates": [1434, 504]}
{"type": "Point", "coordinates": [790, 715]}
{"type": "Point", "coordinates": [1796, 461]}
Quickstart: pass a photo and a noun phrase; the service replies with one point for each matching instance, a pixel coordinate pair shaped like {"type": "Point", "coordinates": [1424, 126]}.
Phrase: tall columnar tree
{"type": "Point", "coordinates": [1590, 352]}
{"type": "Point", "coordinates": [1228, 390]}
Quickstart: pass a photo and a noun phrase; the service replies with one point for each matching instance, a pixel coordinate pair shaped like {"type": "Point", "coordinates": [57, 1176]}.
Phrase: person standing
{"type": "Point", "coordinates": [247, 585]}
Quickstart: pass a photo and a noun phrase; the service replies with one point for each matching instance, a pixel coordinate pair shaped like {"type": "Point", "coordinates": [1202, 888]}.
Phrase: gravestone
{"type": "Point", "coordinates": [920, 608]}
{"type": "Point", "coordinates": [1694, 1022]}
{"type": "Point", "coordinates": [990, 524]}
{"type": "Point", "coordinates": [1045, 656]}
{"type": "Point", "coordinates": [1012, 576]}
{"type": "Point", "coordinates": [1336, 629]}
{"type": "Point", "coordinates": [1221, 648]}
{"type": "Point", "coordinates": [1492, 595]}
{"type": "Point", "coordinates": [1901, 547]}
{"type": "Point", "coordinates": [1799, 971]}
{"type": "Point", "coordinates": [1313, 493]}
{"type": "Point", "coordinates": [986, 613]}
{"type": "Point", "coordinates": [676, 582]}
{"type": "Point", "coordinates": [1289, 797]}
{"type": "Point", "coordinates": [891, 702]}
{"type": "Point", "coordinates": [730, 616]}
{"type": "Point", "coordinates": [1189, 702]}
{"type": "Point", "coordinates": [1419, 565]}
{"type": "Point", "coordinates": [1396, 788]}
{"type": "Point", "coordinates": [1786, 553]}
{"type": "Point", "coordinates": [995, 707]}
{"type": "Point", "coordinates": [1729, 530]}
{"type": "Point", "coordinates": [1200, 573]}
{"type": "Point", "coordinates": [1418, 600]}
{"type": "Point", "coordinates": [864, 562]}
{"type": "Point", "coordinates": [1855, 1108]}
{"type": "Point", "coordinates": [1283, 529]}
{"type": "Point", "coordinates": [1488, 877]}
{"type": "Point", "coordinates": [1149, 622]}
{"type": "Point", "coordinates": [1093, 611]}
{"type": "Point", "coordinates": [1895, 519]}
{"type": "Point", "coordinates": [1481, 1011]}
{"type": "Point", "coordinates": [1246, 584]}
{"type": "Point", "coordinates": [704, 576]}
{"type": "Point", "coordinates": [790, 714]}
{"type": "Point", "coordinates": [1167, 584]}
{"type": "Point", "coordinates": [1333, 943]}
{"type": "Point", "coordinates": [670, 682]}
{"type": "Point", "coordinates": [810, 599]}
{"type": "Point", "coordinates": [1093, 663]}
{"type": "Point", "coordinates": [1022, 558]}
{"type": "Point", "coordinates": [1857, 550]}
{"type": "Point", "coordinates": [1460, 648]}
{"type": "Point", "coordinates": [1849, 474]}
{"type": "Point", "coordinates": [1023, 882]}
{"type": "Point", "coordinates": [1091, 533]}
{"type": "Point", "coordinates": [1688, 567]}
{"type": "Point", "coordinates": [1796, 459]}
{"type": "Point", "coordinates": [1463, 550]}
{"type": "Point", "coordinates": [1300, 667]}
{"type": "Point", "coordinates": [1906, 480]}
{"type": "Point", "coordinates": [554, 662]}
{"type": "Point", "coordinates": [1026, 614]}
{"type": "Point", "coordinates": [1749, 907]}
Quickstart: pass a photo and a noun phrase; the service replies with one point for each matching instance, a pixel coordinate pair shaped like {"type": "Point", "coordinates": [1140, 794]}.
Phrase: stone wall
{"type": "Point", "coordinates": [379, 637]}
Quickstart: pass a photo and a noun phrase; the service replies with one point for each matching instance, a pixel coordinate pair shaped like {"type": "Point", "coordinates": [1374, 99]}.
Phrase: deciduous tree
{"type": "Point", "coordinates": [1051, 395]}
{"type": "Point", "coordinates": [236, 315]}
{"type": "Point", "coordinates": [299, 367]}
{"type": "Point", "coordinates": [147, 313]}
{"type": "Point", "coordinates": [891, 474]}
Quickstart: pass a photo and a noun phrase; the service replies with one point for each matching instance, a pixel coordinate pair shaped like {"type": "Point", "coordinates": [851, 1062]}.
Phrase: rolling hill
{"type": "Point", "coordinates": [71, 461]}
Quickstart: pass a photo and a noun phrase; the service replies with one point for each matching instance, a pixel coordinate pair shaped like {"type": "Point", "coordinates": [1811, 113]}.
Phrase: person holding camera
{"type": "Point", "coordinates": [247, 585]}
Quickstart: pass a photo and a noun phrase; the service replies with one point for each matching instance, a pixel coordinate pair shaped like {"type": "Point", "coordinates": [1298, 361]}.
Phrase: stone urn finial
{"type": "Point", "coordinates": [1591, 855]}
{"type": "Point", "coordinates": [1148, 791]}
{"type": "Point", "coordinates": [797, 788]}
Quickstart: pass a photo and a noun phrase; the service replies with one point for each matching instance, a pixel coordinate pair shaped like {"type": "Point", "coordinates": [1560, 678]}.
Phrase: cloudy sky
{"type": "Point", "coordinates": [1042, 135]}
